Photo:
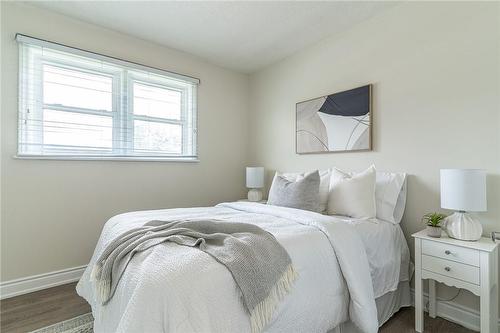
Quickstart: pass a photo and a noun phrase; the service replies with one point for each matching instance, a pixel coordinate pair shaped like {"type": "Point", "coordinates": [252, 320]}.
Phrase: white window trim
{"type": "Point", "coordinates": [119, 153]}
{"type": "Point", "coordinates": [107, 158]}
{"type": "Point", "coordinates": [38, 111]}
{"type": "Point", "coordinates": [183, 121]}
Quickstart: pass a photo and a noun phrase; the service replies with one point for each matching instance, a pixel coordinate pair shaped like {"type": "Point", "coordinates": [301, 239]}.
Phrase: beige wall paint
{"type": "Point", "coordinates": [435, 74]}
{"type": "Point", "coordinates": [53, 211]}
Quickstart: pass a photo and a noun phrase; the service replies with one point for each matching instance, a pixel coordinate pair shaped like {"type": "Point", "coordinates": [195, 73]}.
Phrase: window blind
{"type": "Point", "coordinates": [79, 104]}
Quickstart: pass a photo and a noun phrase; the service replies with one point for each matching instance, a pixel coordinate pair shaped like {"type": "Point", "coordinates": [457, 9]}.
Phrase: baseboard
{"type": "Point", "coordinates": [454, 312]}
{"type": "Point", "coordinates": [38, 282]}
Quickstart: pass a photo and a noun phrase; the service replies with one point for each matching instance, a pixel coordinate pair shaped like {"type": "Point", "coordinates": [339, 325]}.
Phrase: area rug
{"type": "Point", "coordinates": [80, 324]}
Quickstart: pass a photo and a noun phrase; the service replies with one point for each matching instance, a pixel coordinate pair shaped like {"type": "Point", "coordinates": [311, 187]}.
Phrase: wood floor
{"type": "Point", "coordinates": [404, 322]}
{"type": "Point", "coordinates": [42, 308]}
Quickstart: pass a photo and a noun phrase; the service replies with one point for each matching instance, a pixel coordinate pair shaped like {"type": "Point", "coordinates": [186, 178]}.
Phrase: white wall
{"type": "Point", "coordinates": [53, 211]}
{"type": "Point", "coordinates": [435, 74]}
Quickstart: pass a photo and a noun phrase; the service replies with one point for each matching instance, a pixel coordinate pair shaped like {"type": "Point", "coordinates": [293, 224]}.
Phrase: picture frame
{"type": "Point", "coordinates": [338, 122]}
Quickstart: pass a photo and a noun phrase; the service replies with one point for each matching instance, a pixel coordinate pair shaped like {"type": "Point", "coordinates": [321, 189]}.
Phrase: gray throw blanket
{"type": "Point", "coordinates": [260, 266]}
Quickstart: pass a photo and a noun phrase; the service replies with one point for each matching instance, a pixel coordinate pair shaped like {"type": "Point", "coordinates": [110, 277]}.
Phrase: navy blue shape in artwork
{"type": "Point", "coordinates": [349, 103]}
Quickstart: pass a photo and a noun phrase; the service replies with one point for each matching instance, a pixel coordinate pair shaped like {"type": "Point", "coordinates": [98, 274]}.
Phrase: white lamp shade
{"type": "Point", "coordinates": [255, 177]}
{"type": "Point", "coordinates": [463, 189]}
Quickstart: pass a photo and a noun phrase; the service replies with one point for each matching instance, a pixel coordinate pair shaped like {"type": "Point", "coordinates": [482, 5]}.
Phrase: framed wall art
{"type": "Point", "coordinates": [338, 122]}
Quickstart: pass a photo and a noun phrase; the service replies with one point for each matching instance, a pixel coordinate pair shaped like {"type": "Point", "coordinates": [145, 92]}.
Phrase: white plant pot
{"type": "Point", "coordinates": [433, 231]}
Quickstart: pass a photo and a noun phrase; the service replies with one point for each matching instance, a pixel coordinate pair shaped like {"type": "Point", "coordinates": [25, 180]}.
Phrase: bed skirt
{"type": "Point", "coordinates": [387, 306]}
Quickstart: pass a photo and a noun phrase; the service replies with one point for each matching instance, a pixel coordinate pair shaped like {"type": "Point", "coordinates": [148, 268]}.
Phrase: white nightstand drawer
{"type": "Point", "coordinates": [451, 252]}
{"type": "Point", "coordinates": [451, 268]}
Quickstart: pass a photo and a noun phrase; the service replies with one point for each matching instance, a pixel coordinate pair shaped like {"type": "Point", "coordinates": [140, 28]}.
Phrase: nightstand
{"type": "Point", "coordinates": [461, 264]}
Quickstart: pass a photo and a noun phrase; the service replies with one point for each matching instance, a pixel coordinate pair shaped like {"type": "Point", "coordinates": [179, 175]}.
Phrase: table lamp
{"type": "Point", "coordinates": [463, 190]}
{"type": "Point", "coordinates": [255, 181]}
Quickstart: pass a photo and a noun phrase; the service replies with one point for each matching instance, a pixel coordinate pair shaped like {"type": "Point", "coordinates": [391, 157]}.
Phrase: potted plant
{"type": "Point", "coordinates": [433, 222]}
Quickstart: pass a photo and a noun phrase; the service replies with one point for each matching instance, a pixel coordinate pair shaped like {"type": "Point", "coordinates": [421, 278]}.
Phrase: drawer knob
{"type": "Point", "coordinates": [447, 269]}
{"type": "Point", "coordinates": [447, 252]}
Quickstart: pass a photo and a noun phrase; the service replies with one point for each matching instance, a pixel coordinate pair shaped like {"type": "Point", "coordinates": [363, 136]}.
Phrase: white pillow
{"type": "Point", "coordinates": [390, 193]}
{"type": "Point", "coordinates": [352, 194]}
{"type": "Point", "coordinates": [324, 185]}
{"type": "Point", "coordinates": [401, 203]}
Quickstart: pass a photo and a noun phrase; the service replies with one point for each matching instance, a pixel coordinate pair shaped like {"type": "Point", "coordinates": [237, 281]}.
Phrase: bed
{"type": "Point", "coordinates": [353, 274]}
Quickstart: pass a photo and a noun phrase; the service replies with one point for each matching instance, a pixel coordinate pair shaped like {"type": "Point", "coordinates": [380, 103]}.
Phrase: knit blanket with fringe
{"type": "Point", "coordinates": [260, 266]}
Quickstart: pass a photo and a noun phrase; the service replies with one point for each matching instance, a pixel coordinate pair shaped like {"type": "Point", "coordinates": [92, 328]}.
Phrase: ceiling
{"type": "Point", "coordinates": [244, 36]}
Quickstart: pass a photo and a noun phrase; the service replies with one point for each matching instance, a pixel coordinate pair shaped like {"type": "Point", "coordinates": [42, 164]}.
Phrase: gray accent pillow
{"type": "Point", "coordinates": [302, 193]}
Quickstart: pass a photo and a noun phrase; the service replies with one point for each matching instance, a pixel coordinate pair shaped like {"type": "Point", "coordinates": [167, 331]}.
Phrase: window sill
{"type": "Point", "coordinates": [108, 158]}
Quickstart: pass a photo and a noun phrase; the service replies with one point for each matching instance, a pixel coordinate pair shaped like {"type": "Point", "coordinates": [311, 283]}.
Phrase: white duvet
{"type": "Point", "coordinates": [171, 288]}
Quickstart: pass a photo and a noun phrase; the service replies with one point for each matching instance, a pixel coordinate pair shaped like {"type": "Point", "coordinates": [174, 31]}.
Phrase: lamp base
{"type": "Point", "coordinates": [463, 226]}
{"type": "Point", "coordinates": [254, 195]}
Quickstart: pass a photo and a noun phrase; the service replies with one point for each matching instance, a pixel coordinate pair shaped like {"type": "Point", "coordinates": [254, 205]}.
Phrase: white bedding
{"type": "Point", "coordinates": [171, 288]}
{"type": "Point", "coordinates": [387, 251]}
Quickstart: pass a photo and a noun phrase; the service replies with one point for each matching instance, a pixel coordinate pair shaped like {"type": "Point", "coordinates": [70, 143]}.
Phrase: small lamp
{"type": "Point", "coordinates": [463, 190]}
{"type": "Point", "coordinates": [255, 181]}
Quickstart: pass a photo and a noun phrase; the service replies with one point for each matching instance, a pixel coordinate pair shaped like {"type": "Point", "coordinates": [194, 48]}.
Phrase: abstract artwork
{"type": "Point", "coordinates": [334, 123]}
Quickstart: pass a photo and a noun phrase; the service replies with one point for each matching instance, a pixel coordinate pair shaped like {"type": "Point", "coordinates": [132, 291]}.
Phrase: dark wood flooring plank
{"type": "Point", "coordinates": [404, 322]}
{"type": "Point", "coordinates": [42, 308]}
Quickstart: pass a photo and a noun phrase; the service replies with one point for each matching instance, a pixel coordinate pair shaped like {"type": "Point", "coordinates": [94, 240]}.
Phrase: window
{"type": "Point", "coordinates": [77, 104]}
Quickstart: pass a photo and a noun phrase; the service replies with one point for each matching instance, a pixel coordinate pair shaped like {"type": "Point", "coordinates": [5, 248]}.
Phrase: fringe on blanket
{"type": "Point", "coordinates": [102, 287]}
{"type": "Point", "coordinates": [263, 312]}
